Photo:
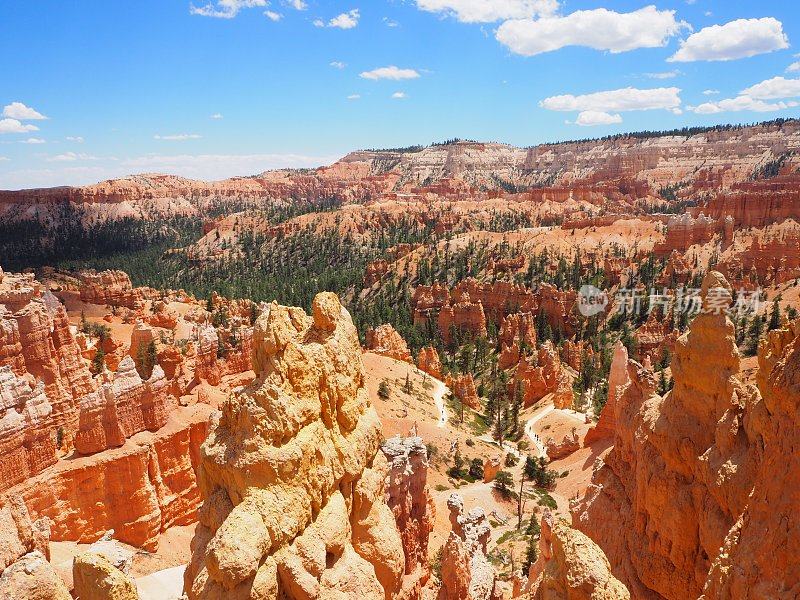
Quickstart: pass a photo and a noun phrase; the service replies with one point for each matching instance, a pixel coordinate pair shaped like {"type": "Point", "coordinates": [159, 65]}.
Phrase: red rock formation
{"type": "Point", "coordinates": [570, 566]}
{"type": "Point", "coordinates": [517, 333]}
{"type": "Point", "coordinates": [428, 300]}
{"type": "Point", "coordinates": [113, 288]}
{"type": "Point", "coordinates": [540, 376]}
{"type": "Point", "coordinates": [206, 365]}
{"type": "Point", "coordinates": [294, 502]}
{"type": "Point", "coordinates": [676, 271]}
{"type": "Point", "coordinates": [408, 497]}
{"type": "Point", "coordinates": [759, 553]}
{"type": "Point", "coordinates": [27, 432]}
{"type": "Point", "coordinates": [466, 572]}
{"type": "Point", "coordinates": [758, 203]}
{"type": "Point", "coordinates": [138, 490]}
{"type": "Point", "coordinates": [491, 467]}
{"type": "Point", "coordinates": [617, 381]}
{"type": "Point", "coordinates": [463, 387]}
{"type": "Point", "coordinates": [385, 340]}
{"type": "Point", "coordinates": [374, 272]}
{"type": "Point", "coordinates": [569, 443]}
{"type": "Point", "coordinates": [462, 315]}
{"type": "Point", "coordinates": [37, 340]}
{"type": "Point", "coordinates": [124, 406]}
{"type": "Point", "coordinates": [428, 362]}
{"type": "Point", "coordinates": [680, 472]}
{"type": "Point", "coordinates": [20, 534]}
{"type": "Point", "coordinates": [162, 317]}
{"type": "Point", "coordinates": [684, 231]}
{"type": "Point", "coordinates": [773, 258]}
{"type": "Point", "coordinates": [654, 338]}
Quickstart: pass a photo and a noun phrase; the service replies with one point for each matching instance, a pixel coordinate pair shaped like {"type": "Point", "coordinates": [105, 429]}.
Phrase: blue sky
{"type": "Point", "coordinates": [226, 87]}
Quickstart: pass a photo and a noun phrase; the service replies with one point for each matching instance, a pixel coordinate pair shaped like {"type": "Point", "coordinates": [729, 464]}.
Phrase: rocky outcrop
{"type": "Point", "coordinates": [772, 258]}
{"type": "Point", "coordinates": [124, 406]}
{"type": "Point", "coordinates": [559, 449]}
{"type": "Point", "coordinates": [293, 488]}
{"type": "Point", "coordinates": [409, 499]}
{"type": "Point", "coordinates": [461, 317]}
{"type": "Point", "coordinates": [467, 573]}
{"type": "Point", "coordinates": [758, 203]}
{"type": "Point", "coordinates": [138, 490]}
{"type": "Point", "coordinates": [541, 374]}
{"type": "Point", "coordinates": [28, 436]}
{"type": "Point", "coordinates": [95, 578]}
{"type": "Point", "coordinates": [570, 566]}
{"type": "Point", "coordinates": [385, 340]}
{"type": "Point", "coordinates": [113, 288]}
{"type": "Point", "coordinates": [684, 231]}
{"type": "Point", "coordinates": [463, 387]}
{"type": "Point", "coordinates": [682, 467]}
{"type": "Point", "coordinates": [32, 578]}
{"type": "Point", "coordinates": [759, 554]}
{"type": "Point", "coordinates": [618, 379]}
{"type": "Point", "coordinates": [20, 535]}
{"type": "Point", "coordinates": [517, 334]}
{"type": "Point", "coordinates": [374, 272]}
{"type": "Point", "coordinates": [428, 362]}
{"type": "Point", "coordinates": [207, 367]}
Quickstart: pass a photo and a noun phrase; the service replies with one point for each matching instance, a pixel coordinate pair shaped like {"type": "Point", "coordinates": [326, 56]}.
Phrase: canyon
{"type": "Point", "coordinates": [440, 416]}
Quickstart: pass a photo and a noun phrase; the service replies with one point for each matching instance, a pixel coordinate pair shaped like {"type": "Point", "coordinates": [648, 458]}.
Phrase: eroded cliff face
{"type": "Point", "coordinates": [759, 556]}
{"type": "Point", "coordinates": [292, 482]}
{"type": "Point", "coordinates": [467, 573]}
{"type": "Point", "coordinates": [570, 566]}
{"type": "Point", "coordinates": [697, 492]}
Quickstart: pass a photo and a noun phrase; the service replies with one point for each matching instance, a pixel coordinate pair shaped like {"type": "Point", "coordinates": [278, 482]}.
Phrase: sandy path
{"type": "Point", "coordinates": [439, 392]}
{"type": "Point", "coordinates": [534, 437]}
{"type": "Point", "coordinates": [162, 585]}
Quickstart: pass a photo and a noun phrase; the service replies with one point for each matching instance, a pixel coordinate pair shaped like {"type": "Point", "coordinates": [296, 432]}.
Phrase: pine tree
{"type": "Point", "coordinates": [774, 316]}
{"type": "Point", "coordinates": [98, 362]}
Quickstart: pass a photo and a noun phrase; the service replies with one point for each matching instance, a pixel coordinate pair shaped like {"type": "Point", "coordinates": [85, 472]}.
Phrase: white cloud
{"type": "Point", "coordinates": [71, 157]}
{"type": "Point", "coordinates": [739, 104]}
{"type": "Point", "coordinates": [75, 138]}
{"type": "Point", "coordinates": [17, 110]}
{"type": "Point", "coordinates": [616, 100]}
{"type": "Point", "coordinates": [589, 118]}
{"type": "Point", "coordinates": [319, 23]}
{"type": "Point", "coordinates": [390, 22]}
{"type": "Point", "coordinates": [346, 20]}
{"type": "Point", "coordinates": [354, 96]}
{"type": "Point", "coordinates": [14, 126]}
{"type": "Point", "coordinates": [178, 137]}
{"type": "Point", "coordinates": [663, 74]}
{"type": "Point", "coordinates": [337, 64]}
{"type": "Point", "coordinates": [489, 11]}
{"type": "Point", "coordinates": [224, 9]}
{"type": "Point", "coordinates": [601, 29]}
{"type": "Point", "coordinates": [710, 92]}
{"type": "Point", "coordinates": [737, 39]}
{"type": "Point", "coordinates": [273, 16]}
{"type": "Point", "coordinates": [390, 72]}
{"type": "Point", "coordinates": [217, 116]}
{"type": "Point", "coordinates": [770, 89]}
{"type": "Point", "coordinates": [33, 140]}
{"type": "Point", "coordinates": [298, 4]}
{"type": "Point", "coordinates": [399, 95]}
{"type": "Point", "coordinates": [793, 68]}
{"type": "Point", "coordinates": [4, 158]}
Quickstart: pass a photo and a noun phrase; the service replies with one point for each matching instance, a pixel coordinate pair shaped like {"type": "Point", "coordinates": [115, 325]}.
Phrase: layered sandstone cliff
{"type": "Point", "coordinates": [385, 340]}
{"type": "Point", "coordinates": [673, 497]}
{"type": "Point", "coordinates": [292, 483]}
